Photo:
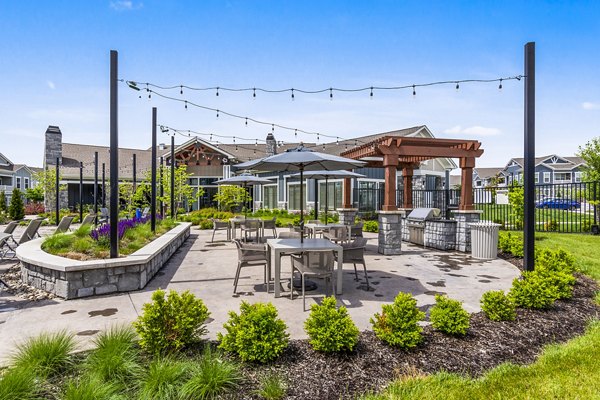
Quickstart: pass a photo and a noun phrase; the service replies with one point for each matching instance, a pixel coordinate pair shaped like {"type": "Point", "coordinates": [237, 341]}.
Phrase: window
{"type": "Point", "coordinates": [577, 176]}
{"type": "Point", "coordinates": [562, 177]}
{"type": "Point", "coordinates": [294, 196]}
{"type": "Point", "coordinates": [270, 196]}
{"type": "Point", "coordinates": [26, 183]}
{"type": "Point", "coordinates": [18, 182]}
{"type": "Point", "coordinates": [478, 183]}
{"type": "Point", "coordinates": [537, 177]}
{"type": "Point", "coordinates": [334, 195]}
{"type": "Point", "coordinates": [546, 177]}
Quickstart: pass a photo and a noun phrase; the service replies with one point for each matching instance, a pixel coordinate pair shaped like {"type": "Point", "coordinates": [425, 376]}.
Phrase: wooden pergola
{"type": "Point", "coordinates": [406, 153]}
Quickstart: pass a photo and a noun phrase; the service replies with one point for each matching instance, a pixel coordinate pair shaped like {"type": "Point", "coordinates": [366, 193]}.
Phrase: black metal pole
{"type": "Point", "coordinates": [173, 176]}
{"type": "Point", "coordinates": [326, 199]}
{"type": "Point", "coordinates": [447, 194]}
{"type": "Point", "coordinates": [57, 189]}
{"type": "Point", "coordinates": [162, 188]}
{"type": "Point", "coordinates": [153, 173]}
{"type": "Point", "coordinates": [114, 155]}
{"type": "Point", "coordinates": [301, 204]}
{"type": "Point", "coordinates": [80, 191]}
{"type": "Point", "coordinates": [103, 185]}
{"type": "Point", "coordinates": [134, 173]}
{"type": "Point", "coordinates": [316, 199]}
{"type": "Point", "coordinates": [529, 167]}
{"type": "Point", "coordinates": [96, 187]}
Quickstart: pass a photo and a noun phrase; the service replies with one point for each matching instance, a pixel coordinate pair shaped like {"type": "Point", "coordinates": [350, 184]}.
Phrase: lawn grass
{"type": "Point", "coordinates": [568, 371]}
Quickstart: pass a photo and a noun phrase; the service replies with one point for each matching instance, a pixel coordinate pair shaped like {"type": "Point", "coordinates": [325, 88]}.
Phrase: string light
{"type": "Point", "coordinates": [217, 113]}
{"type": "Point", "coordinates": [500, 85]}
{"type": "Point", "coordinates": [414, 91]}
{"type": "Point", "coordinates": [457, 86]}
{"type": "Point", "coordinates": [331, 89]}
{"type": "Point", "coordinates": [371, 94]}
{"type": "Point", "coordinates": [292, 94]}
{"type": "Point", "coordinates": [217, 91]}
{"type": "Point", "coordinates": [186, 104]}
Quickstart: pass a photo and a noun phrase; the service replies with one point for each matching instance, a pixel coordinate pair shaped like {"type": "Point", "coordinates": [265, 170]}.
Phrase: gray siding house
{"type": "Point", "coordinates": [15, 176]}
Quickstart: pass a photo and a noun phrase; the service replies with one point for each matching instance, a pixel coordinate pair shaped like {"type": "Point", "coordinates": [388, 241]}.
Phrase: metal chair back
{"type": "Point", "coordinates": [10, 228]}
{"type": "Point", "coordinates": [31, 231]}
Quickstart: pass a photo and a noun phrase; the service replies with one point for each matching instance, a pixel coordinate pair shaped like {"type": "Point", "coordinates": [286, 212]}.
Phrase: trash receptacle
{"type": "Point", "coordinates": [484, 240]}
{"type": "Point", "coordinates": [138, 213]}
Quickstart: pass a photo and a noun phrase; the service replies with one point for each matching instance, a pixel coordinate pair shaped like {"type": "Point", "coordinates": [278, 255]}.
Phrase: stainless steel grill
{"type": "Point", "coordinates": [416, 220]}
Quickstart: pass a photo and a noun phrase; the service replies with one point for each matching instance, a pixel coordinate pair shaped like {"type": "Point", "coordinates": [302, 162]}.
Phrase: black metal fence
{"type": "Point", "coordinates": [560, 207]}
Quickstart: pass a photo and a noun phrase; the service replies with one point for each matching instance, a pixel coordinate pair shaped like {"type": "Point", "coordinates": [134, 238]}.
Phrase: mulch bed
{"type": "Point", "coordinates": [312, 375]}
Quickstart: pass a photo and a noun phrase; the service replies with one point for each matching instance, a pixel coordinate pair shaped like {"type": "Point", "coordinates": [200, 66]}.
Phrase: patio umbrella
{"type": "Point", "coordinates": [329, 174]}
{"type": "Point", "coordinates": [244, 179]}
{"type": "Point", "coordinates": [301, 159]}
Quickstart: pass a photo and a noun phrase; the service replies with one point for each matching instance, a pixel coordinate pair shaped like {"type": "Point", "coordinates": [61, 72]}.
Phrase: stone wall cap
{"type": "Point", "coordinates": [31, 252]}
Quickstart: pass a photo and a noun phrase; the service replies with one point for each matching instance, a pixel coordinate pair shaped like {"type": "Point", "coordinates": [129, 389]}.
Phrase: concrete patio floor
{"type": "Point", "coordinates": [207, 270]}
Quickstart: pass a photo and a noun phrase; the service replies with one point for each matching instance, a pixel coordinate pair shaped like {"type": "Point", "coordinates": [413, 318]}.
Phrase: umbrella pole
{"type": "Point", "coordinates": [301, 204]}
{"type": "Point", "coordinates": [326, 199]}
{"type": "Point", "coordinates": [316, 199]}
{"type": "Point", "coordinates": [245, 202]}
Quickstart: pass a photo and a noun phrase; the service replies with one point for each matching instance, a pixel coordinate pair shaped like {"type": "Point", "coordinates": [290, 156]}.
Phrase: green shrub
{"type": "Point", "coordinates": [211, 377]}
{"type": "Point", "coordinates": [115, 357]}
{"type": "Point", "coordinates": [532, 291]}
{"type": "Point", "coordinates": [16, 209]}
{"type": "Point", "coordinates": [3, 207]}
{"type": "Point", "coordinates": [256, 334]}
{"type": "Point", "coordinates": [551, 226]}
{"type": "Point", "coordinates": [561, 282]}
{"type": "Point", "coordinates": [205, 224]}
{"type": "Point", "coordinates": [558, 260]}
{"type": "Point", "coordinates": [83, 231]}
{"type": "Point", "coordinates": [449, 316]}
{"type": "Point", "coordinates": [46, 355]}
{"type": "Point", "coordinates": [18, 384]}
{"type": "Point", "coordinates": [330, 329]}
{"type": "Point", "coordinates": [511, 243]}
{"type": "Point", "coordinates": [271, 387]}
{"type": "Point", "coordinates": [397, 325]}
{"type": "Point", "coordinates": [163, 379]}
{"type": "Point", "coordinates": [90, 387]}
{"type": "Point", "coordinates": [371, 226]}
{"type": "Point", "coordinates": [497, 306]}
{"type": "Point", "coordinates": [171, 323]}
{"type": "Point", "coordinates": [58, 242]}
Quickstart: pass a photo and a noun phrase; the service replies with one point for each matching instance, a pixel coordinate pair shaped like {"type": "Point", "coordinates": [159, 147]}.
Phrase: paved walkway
{"type": "Point", "coordinates": [207, 270]}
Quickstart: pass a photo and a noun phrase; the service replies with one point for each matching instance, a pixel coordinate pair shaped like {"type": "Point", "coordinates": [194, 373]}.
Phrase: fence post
{"type": "Point", "coordinates": [595, 205]}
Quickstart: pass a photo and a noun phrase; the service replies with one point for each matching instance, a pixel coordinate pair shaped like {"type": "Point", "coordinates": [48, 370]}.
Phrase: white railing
{"type": "Point", "coordinates": [6, 188]}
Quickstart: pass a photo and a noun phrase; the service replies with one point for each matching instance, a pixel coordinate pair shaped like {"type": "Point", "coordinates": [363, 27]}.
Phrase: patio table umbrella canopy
{"type": "Point", "coordinates": [301, 159]}
{"type": "Point", "coordinates": [326, 175]}
{"type": "Point", "coordinates": [244, 179]}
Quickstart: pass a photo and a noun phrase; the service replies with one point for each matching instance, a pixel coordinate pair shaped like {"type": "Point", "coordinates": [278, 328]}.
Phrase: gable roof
{"type": "Point", "coordinates": [571, 163]}
{"type": "Point", "coordinates": [485, 173]}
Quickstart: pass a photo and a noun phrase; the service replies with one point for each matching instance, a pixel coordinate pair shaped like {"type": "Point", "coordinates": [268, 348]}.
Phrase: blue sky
{"type": "Point", "coordinates": [54, 66]}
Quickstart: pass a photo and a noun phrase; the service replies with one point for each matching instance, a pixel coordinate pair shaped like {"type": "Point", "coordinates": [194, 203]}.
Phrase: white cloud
{"type": "Point", "coordinates": [472, 131]}
{"type": "Point", "coordinates": [125, 5]}
{"type": "Point", "coordinates": [51, 85]}
{"type": "Point", "coordinates": [587, 105]}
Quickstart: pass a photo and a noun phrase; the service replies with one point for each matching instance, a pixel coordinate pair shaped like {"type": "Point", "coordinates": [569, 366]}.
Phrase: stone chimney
{"type": "Point", "coordinates": [53, 145]}
{"type": "Point", "coordinates": [271, 145]}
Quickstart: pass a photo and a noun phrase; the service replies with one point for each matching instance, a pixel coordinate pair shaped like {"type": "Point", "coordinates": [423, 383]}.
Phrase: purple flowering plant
{"type": "Point", "coordinates": [102, 233]}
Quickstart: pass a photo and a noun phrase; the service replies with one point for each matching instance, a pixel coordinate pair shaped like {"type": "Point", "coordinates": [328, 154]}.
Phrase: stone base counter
{"type": "Point", "coordinates": [71, 279]}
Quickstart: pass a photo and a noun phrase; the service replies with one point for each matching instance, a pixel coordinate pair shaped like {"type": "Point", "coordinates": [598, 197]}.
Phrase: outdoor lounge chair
{"type": "Point", "coordinates": [10, 228]}
{"type": "Point", "coordinates": [313, 263]}
{"type": "Point", "coordinates": [64, 225]}
{"type": "Point", "coordinates": [30, 232]}
{"type": "Point", "coordinates": [354, 253]}
{"type": "Point", "coordinates": [89, 219]}
{"type": "Point", "coordinates": [145, 212]}
{"type": "Point", "coordinates": [103, 217]}
{"type": "Point", "coordinates": [221, 226]}
{"type": "Point", "coordinates": [252, 255]}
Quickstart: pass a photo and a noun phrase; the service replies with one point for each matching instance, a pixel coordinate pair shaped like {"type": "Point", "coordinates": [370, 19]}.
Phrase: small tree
{"type": "Point", "coordinates": [2, 202]}
{"type": "Point", "coordinates": [183, 191]}
{"type": "Point", "coordinates": [590, 153]}
{"type": "Point", "coordinates": [231, 197]}
{"type": "Point", "coordinates": [516, 199]}
{"type": "Point", "coordinates": [35, 194]}
{"type": "Point", "coordinates": [46, 180]}
{"type": "Point", "coordinates": [16, 210]}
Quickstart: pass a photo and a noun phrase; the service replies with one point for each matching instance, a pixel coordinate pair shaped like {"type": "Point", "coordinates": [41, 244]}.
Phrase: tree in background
{"type": "Point", "coordinates": [184, 193]}
{"type": "Point", "coordinates": [47, 182]}
{"type": "Point", "coordinates": [16, 210]}
{"type": "Point", "coordinates": [516, 199]}
{"type": "Point", "coordinates": [35, 194]}
{"type": "Point", "coordinates": [590, 153]}
{"type": "Point", "coordinates": [3, 202]}
{"type": "Point", "coordinates": [231, 197]}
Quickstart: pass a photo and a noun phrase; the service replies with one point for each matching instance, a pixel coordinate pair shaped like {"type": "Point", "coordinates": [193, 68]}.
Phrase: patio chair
{"type": "Point", "coordinates": [103, 217]}
{"type": "Point", "coordinates": [289, 235]}
{"type": "Point", "coordinates": [89, 219]}
{"type": "Point", "coordinates": [356, 230]}
{"type": "Point", "coordinates": [31, 231]}
{"type": "Point", "coordinates": [336, 234]}
{"type": "Point", "coordinates": [293, 228]}
{"type": "Point", "coordinates": [270, 224]}
{"type": "Point", "coordinates": [313, 263]}
{"type": "Point", "coordinates": [354, 253]}
{"type": "Point", "coordinates": [64, 225]}
{"type": "Point", "coordinates": [220, 226]}
{"type": "Point", "coordinates": [251, 226]}
{"type": "Point", "coordinates": [252, 255]}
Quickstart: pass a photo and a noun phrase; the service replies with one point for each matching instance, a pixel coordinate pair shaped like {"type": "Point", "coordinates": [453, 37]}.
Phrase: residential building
{"type": "Point", "coordinates": [548, 169]}
{"type": "Point", "coordinates": [15, 176]}
{"type": "Point", "coordinates": [208, 162]}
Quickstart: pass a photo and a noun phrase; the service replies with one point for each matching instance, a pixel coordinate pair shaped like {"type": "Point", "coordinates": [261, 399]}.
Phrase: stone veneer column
{"type": "Point", "coordinates": [52, 151]}
{"type": "Point", "coordinates": [463, 230]}
{"type": "Point", "coordinates": [390, 232]}
{"type": "Point", "coordinates": [347, 215]}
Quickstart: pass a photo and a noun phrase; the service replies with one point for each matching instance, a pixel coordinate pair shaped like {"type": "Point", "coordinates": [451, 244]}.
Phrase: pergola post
{"type": "Point", "coordinates": [390, 163]}
{"type": "Point", "coordinates": [466, 183]}
{"type": "Point", "coordinates": [347, 203]}
{"type": "Point", "coordinates": [407, 178]}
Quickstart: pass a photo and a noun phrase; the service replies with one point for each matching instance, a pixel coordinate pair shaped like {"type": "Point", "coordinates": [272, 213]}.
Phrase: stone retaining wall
{"type": "Point", "coordinates": [72, 279]}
